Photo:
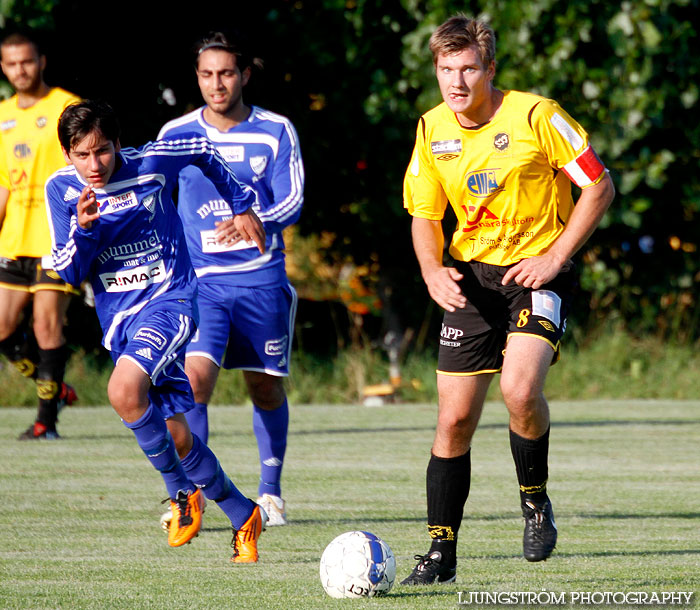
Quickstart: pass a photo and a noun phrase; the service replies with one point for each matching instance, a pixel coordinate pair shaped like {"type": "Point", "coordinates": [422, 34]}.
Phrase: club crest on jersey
{"type": "Point", "coordinates": [258, 163]}
{"type": "Point", "coordinates": [41, 122]}
{"type": "Point", "coordinates": [120, 202]}
{"type": "Point", "coordinates": [446, 146]}
{"type": "Point", "coordinates": [482, 183]}
{"type": "Point", "coordinates": [501, 141]}
{"type": "Point", "coordinates": [148, 335]}
{"type": "Point", "coordinates": [149, 203]}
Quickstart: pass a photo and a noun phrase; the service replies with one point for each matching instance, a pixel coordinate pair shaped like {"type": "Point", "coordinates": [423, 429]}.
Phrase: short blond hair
{"type": "Point", "coordinates": [460, 32]}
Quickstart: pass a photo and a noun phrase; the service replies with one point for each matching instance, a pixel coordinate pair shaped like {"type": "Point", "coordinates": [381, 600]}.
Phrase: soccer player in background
{"type": "Point", "coordinates": [29, 154]}
{"type": "Point", "coordinates": [505, 161]}
{"type": "Point", "coordinates": [247, 304]}
{"type": "Point", "coordinates": [113, 221]}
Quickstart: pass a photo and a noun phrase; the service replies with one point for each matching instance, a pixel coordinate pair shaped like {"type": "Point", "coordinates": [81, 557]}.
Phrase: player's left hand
{"type": "Point", "coordinates": [533, 272]}
{"type": "Point", "coordinates": [250, 228]}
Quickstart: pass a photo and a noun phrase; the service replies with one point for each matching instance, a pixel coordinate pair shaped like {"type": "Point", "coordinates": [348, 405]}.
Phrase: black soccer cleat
{"type": "Point", "coordinates": [540, 536]}
{"type": "Point", "coordinates": [429, 568]}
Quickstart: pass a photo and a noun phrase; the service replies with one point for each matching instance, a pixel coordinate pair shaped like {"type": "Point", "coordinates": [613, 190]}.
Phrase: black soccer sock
{"type": "Point", "coordinates": [447, 485]}
{"type": "Point", "coordinates": [52, 366]}
{"type": "Point", "coordinates": [530, 458]}
{"type": "Point", "coordinates": [21, 350]}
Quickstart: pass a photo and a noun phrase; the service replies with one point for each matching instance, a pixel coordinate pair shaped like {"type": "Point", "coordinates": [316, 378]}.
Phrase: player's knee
{"type": "Point", "coordinates": [201, 388]}
{"type": "Point", "coordinates": [202, 383]}
{"type": "Point", "coordinates": [522, 399]}
{"type": "Point", "coordinates": [182, 439]}
{"type": "Point", "coordinates": [126, 399]}
{"type": "Point", "coordinates": [7, 327]}
{"type": "Point", "coordinates": [455, 424]}
{"type": "Point", "coordinates": [267, 394]}
{"type": "Point", "coordinates": [48, 333]}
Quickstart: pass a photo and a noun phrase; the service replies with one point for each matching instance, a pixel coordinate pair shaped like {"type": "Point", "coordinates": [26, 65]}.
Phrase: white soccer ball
{"type": "Point", "coordinates": [357, 564]}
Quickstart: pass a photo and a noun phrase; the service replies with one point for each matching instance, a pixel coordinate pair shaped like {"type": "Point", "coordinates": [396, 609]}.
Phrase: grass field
{"type": "Point", "coordinates": [80, 523]}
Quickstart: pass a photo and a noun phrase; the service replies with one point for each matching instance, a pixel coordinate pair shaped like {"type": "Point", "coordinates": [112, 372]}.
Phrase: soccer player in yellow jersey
{"type": "Point", "coordinates": [505, 161]}
{"type": "Point", "coordinates": [29, 154]}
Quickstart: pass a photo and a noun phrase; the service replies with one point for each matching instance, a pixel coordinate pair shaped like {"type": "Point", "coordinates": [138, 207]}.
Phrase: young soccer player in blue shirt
{"type": "Point", "coordinates": [112, 221]}
{"type": "Point", "coordinates": [248, 305]}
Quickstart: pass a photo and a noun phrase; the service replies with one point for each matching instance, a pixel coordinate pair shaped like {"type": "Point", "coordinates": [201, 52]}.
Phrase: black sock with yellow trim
{"type": "Point", "coordinates": [21, 350]}
{"type": "Point", "coordinates": [531, 458]}
{"type": "Point", "coordinates": [52, 366]}
{"type": "Point", "coordinates": [447, 486]}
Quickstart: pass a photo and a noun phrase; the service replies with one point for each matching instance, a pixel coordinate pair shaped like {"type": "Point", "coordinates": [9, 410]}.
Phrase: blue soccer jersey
{"type": "Point", "coordinates": [135, 255]}
{"type": "Point", "coordinates": [263, 152]}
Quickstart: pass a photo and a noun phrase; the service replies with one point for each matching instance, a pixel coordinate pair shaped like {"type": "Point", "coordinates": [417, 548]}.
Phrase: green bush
{"type": "Point", "coordinates": [604, 363]}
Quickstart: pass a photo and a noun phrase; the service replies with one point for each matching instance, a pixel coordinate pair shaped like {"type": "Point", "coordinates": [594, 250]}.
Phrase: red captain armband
{"type": "Point", "coordinates": [585, 169]}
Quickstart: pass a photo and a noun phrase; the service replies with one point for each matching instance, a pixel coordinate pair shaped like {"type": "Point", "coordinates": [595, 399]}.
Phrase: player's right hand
{"type": "Point", "coordinates": [251, 228]}
{"type": "Point", "coordinates": [88, 208]}
{"type": "Point", "coordinates": [444, 289]}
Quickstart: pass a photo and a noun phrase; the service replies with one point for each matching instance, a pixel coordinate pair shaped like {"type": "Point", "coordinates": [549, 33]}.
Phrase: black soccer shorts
{"type": "Point", "coordinates": [29, 274]}
{"type": "Point", "coordinates": [473, 339]}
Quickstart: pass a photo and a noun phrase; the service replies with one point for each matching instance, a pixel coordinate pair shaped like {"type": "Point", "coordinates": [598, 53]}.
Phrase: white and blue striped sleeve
{"type": "Point", "coordinates": [287, 181]}
{"type": "Point", "coordinates": [72, 248]}
{"type": "Point", "coordinates": [200, 152]}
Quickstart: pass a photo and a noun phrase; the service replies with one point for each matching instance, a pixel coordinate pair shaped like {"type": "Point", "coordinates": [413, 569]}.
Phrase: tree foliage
{"type": "Point", "coordinates": [355, 75]}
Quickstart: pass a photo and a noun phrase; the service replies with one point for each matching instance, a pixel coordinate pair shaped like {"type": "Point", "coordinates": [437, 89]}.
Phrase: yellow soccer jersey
{"type": "Point", "coordinates": [29, 154]}
{"type": "Point", "coordinates": [509, 180]}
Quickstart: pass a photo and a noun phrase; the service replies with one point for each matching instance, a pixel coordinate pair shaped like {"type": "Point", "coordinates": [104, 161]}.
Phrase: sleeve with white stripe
{"type": "Point", "coordinates": [566, 144]}
{"type": "Point", "coordinates": [200, 152]}
{"type": "Point", "coordinates": [287, 181]}
{"type": "Point", "coordinates": [72, 248]}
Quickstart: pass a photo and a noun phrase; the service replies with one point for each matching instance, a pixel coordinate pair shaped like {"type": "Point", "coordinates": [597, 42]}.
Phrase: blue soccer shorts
{"type": "Point", "coordinates": [155, 340]}
{"type": "Point", "coordinates": [245, 328]}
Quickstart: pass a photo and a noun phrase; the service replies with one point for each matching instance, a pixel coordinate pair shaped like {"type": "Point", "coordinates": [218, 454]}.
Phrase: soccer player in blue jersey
{"type": "Point", "coordinates": [247, 304]}
{"type": "Point", "coordinates": [112, 221]}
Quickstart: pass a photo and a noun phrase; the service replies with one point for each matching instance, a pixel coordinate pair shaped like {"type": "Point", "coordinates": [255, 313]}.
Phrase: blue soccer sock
{"type": "Point", "coordinates": [205, 471]}
{"type": "Point", "coordinates": [270, 429]}
{"type": "Point", "coordinates": [153, 437]}
{"type": "Point", "coordinates": [198, 419]}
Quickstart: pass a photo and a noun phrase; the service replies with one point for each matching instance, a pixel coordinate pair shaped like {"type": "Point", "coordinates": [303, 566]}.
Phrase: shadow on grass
{"type": "Point", "coordinates": [628, 553]}
{"type": "Point", "coordinates": [499, 426]}
{"type": "Point", "coordinates": [638, 516]}
{"type": "Point", "coordinates": [362, 522]}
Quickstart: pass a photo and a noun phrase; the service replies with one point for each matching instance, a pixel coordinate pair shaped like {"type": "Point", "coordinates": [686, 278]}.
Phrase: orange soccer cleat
{"type": "Point", "coordinates": [187, 517]}
{"type": "Point", "coordinates": [245, 540]}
